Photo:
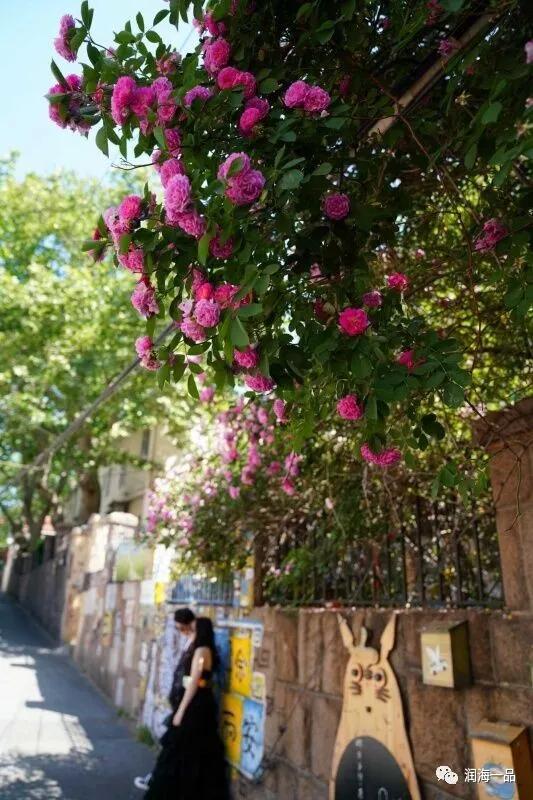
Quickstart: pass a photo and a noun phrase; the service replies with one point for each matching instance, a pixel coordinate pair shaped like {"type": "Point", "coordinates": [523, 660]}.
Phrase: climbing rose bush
{"type": "Point", "coordinates": [234, 454]}
{"type": "Point", "coordinates": [281, 234]}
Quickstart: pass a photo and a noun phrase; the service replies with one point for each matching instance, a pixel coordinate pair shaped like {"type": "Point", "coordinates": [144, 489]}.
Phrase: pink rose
{"type": "Point", "coordinates": [372, 299]}
{"type": "Point", "coordinates": [248, 358]}
{"type": "Point", "coordinates": [348, 407]}
{"type": "Point", "coordinates": [143, 299]}
{"type": "Point", "coordinates": [192, 330]}
{"type": "Point", "coordinates": [177, 196]}
{"type": "Point", "coordinates": [398, 281]}
{"type": "Point", "coordinates": [353, 321]}
{"type": "Point", "coordinates": [220, 249]}
{"type": "Point", "coordinates": [385, 458]}
{"type": "Point", "coordinates": [216, 55]}
{"type": "Point", "coordinates": [336, 206]}
{"type": "Point", "coordinates": [201, 93]}
{"type": "Point", "coordinates": [296, 94]}
{"type": "Point", "coordinates": [246, 187]}
{"type": "Point", "coordinates": [316, 100]}
{"type": "Point", "coordinates": [207, 313]}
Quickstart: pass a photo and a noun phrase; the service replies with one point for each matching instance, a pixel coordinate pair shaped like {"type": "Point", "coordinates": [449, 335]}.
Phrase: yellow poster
{"type": "Point", "coordinates": [241, 664]}
{"type": "Point", "coordinates": [160, 592]}
{"type": "Point", "coordinates": [232, 712]}
{"type": "Point", "coordinates": [107, 628]}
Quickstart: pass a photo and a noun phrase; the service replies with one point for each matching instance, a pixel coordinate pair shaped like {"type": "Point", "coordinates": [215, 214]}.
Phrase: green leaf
{"type": "Point", "coordinates": [140, 21]}
{"type": "Point", "coordinates": [235, 167]}
{"type": "Point", "coordinates": [203, 247]}
{"type": "Point", "coordinates": [291, 180]}
{"type": "Point", "coordinates": [154, 37]}
{"type": "Point", "coordinates": [371, 409]}
{"type": "Point", "coordinates": [268, 86]}
{"type": "Point", "coordinates": [250, 310]}
{"type": "Point", "coordinates": [160, 16]}
{"type": "Point", "coordinates": [238, 334]}
{"type": "Point", "coordinates": [323, 169]}
{"type": "Point", "coordinates": [335, 122]}
{"type": "Point", "coordinates": [101, 141]}
{"type": "Point", "coordinates": [58, 75]}
{"type": "Point", "coordinates": [453, 395]}
{"type": "Point", "coordinates": [452, 5]}
{"type": "Point", "coordinates": [471, 155]}
{"type": "Point", "coordinates": [192, 387]}
{"type": "Point", "coordinates": [163, 375]}
{"type": "Point", "coordinates": [86, 14]}
{"type": "Point", "coordinates": [491, 113]}
{"type": "Point", "coordinates": [304, 10]}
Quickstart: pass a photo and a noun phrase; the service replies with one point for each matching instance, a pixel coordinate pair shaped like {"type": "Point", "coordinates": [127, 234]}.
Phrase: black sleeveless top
{"type": "Point", "coordinates": [183, 669]}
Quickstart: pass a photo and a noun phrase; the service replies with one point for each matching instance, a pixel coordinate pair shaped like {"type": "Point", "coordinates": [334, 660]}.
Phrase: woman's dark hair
{"type": "Point", "coordinates": [205, 637]}
{"type": "Point", "coordinates": [184, 616]}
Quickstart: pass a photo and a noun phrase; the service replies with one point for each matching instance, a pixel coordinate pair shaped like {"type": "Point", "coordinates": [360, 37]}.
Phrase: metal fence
{"type": "Point", "coordinates": [191, 589]}
{"type": "Point", "coordinates": [441, 555]}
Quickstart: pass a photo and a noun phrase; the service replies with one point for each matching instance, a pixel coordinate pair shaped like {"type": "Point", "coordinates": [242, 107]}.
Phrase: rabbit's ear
{"type": "Point", "coordinates": [346, 633]}
{"type": "Point", "coordinates": [363, 636]}
{"type": "Point", "coordinates": [387, 638]}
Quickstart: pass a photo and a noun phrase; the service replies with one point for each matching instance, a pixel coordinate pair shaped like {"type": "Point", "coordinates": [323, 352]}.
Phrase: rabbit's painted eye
{"type": "Point", "coordinates": [357, 672]}
{"type": "Point", "coordinates": [380, 677]}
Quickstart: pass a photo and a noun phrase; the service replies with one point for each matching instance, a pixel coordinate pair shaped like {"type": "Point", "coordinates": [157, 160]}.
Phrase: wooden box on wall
{"type": "Point", "coordinates": [446, 655]}
{"type": "Point", "coordinates": [498, 747]}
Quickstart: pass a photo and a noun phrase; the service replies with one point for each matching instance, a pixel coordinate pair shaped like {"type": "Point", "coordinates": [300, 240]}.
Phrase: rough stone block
{"type": "Point", "coordinates": [437, 728]}
{"type": "Point", "coordinates": [286, 650]}
{"type": "Point", "coordinates": [514, 705]}
{"type": "Point", "coordinates": [335, 655]}
{"type": "Point", "coordinates": [480, 649]}
{"type": "Point", "coordinates": [511, 475]}
{"type": "Point", "coordinates": [287, 782]}
{"type": "Point", "coordinates": [325, 715]}
{"type": "Point", "coordinates": [515, 581]}
{"type": "Point", "coordinates": [310, 648]}
{"type": "Point", "coordinates": [510, 637]}
{"type": "Point", "coordinates": [311, 789]}
{"type": "Point", "coordinates": [295, 744]}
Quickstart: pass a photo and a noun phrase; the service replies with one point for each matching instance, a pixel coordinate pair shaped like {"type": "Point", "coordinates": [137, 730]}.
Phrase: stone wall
{"type": "Point", "coordinates": [304, 660]}
{"type": "Point", "coordinates": [121, 634]}
{"type": "Point", "coordinates": [40, 587]}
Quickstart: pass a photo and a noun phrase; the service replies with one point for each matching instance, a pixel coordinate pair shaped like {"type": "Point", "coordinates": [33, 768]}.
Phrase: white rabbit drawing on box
{"type": "Point", "coordinates": [437, 663]}
{"type": "Point", "coordinates": [372, 718]}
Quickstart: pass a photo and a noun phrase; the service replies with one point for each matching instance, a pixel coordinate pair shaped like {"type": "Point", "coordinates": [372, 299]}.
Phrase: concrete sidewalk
{"type": "Point", "coordinates": [58, 736]}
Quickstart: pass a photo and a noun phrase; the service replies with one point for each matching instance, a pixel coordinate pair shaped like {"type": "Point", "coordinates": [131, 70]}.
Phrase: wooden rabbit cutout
{"type": "Point", "coordinates": [372, 705]}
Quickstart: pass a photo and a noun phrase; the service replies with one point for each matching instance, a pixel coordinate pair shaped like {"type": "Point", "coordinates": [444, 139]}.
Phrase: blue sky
{"type": "Point", "coordinates": [26, 50]}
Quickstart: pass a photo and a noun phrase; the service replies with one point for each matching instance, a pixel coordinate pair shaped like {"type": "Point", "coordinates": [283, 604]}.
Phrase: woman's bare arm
{"type": "Point", "coordinates": [201, 660]}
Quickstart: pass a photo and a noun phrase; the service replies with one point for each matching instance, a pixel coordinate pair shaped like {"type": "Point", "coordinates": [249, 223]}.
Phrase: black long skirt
{"type": "Point", "coordinates": [191, 764]}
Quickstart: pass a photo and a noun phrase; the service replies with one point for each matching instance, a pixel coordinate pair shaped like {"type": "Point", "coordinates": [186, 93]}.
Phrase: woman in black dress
{"type": "Point", "coordinates": [191, 765]}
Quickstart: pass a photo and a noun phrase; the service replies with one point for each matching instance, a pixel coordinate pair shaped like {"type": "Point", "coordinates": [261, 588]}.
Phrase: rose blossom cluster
{"type": "Point", "coordinates": [312, 99]}
{"type": "Point", "coordinates": [202, 312]}
{"type": "Point", "coordinates": [62, 44]}
{"type": "Point", "coordinates": [66, 112]}
{"type": "Point", "coordinates": [493, 231]}
{"type": "Point", "coordinates": [121, 220]}
{"type": "Point", "coordinates": [143, 102]}
{"type": "Point", "coordinates": [144, 347]}
{"type": "Point", "coordinates": [387, 457]}
{"type": "Point", "coordinates": [244, 185]}
{"type": "Point", "coordinates": [247, 361]}
{"type": "Point", "coordinates": [349, 407]}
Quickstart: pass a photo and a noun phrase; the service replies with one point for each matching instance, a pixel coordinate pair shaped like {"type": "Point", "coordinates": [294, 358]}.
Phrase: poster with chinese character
{"type": "Point", "coordinates": [252, 744]}
{"type": "Point", "coordinates": [241, 663]}
{"type": "Point", "coordinates": [231, 726]}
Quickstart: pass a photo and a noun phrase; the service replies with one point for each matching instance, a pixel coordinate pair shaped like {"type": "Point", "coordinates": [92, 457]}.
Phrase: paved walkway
{"type": "Point", "coordinates": [58, 736]}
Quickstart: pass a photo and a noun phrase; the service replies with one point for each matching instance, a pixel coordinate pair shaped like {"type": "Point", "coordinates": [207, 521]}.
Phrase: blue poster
{"type": "Point", "coordinates": [252, 743]}
{"type": "Point", "coordinates": [222, 641]}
